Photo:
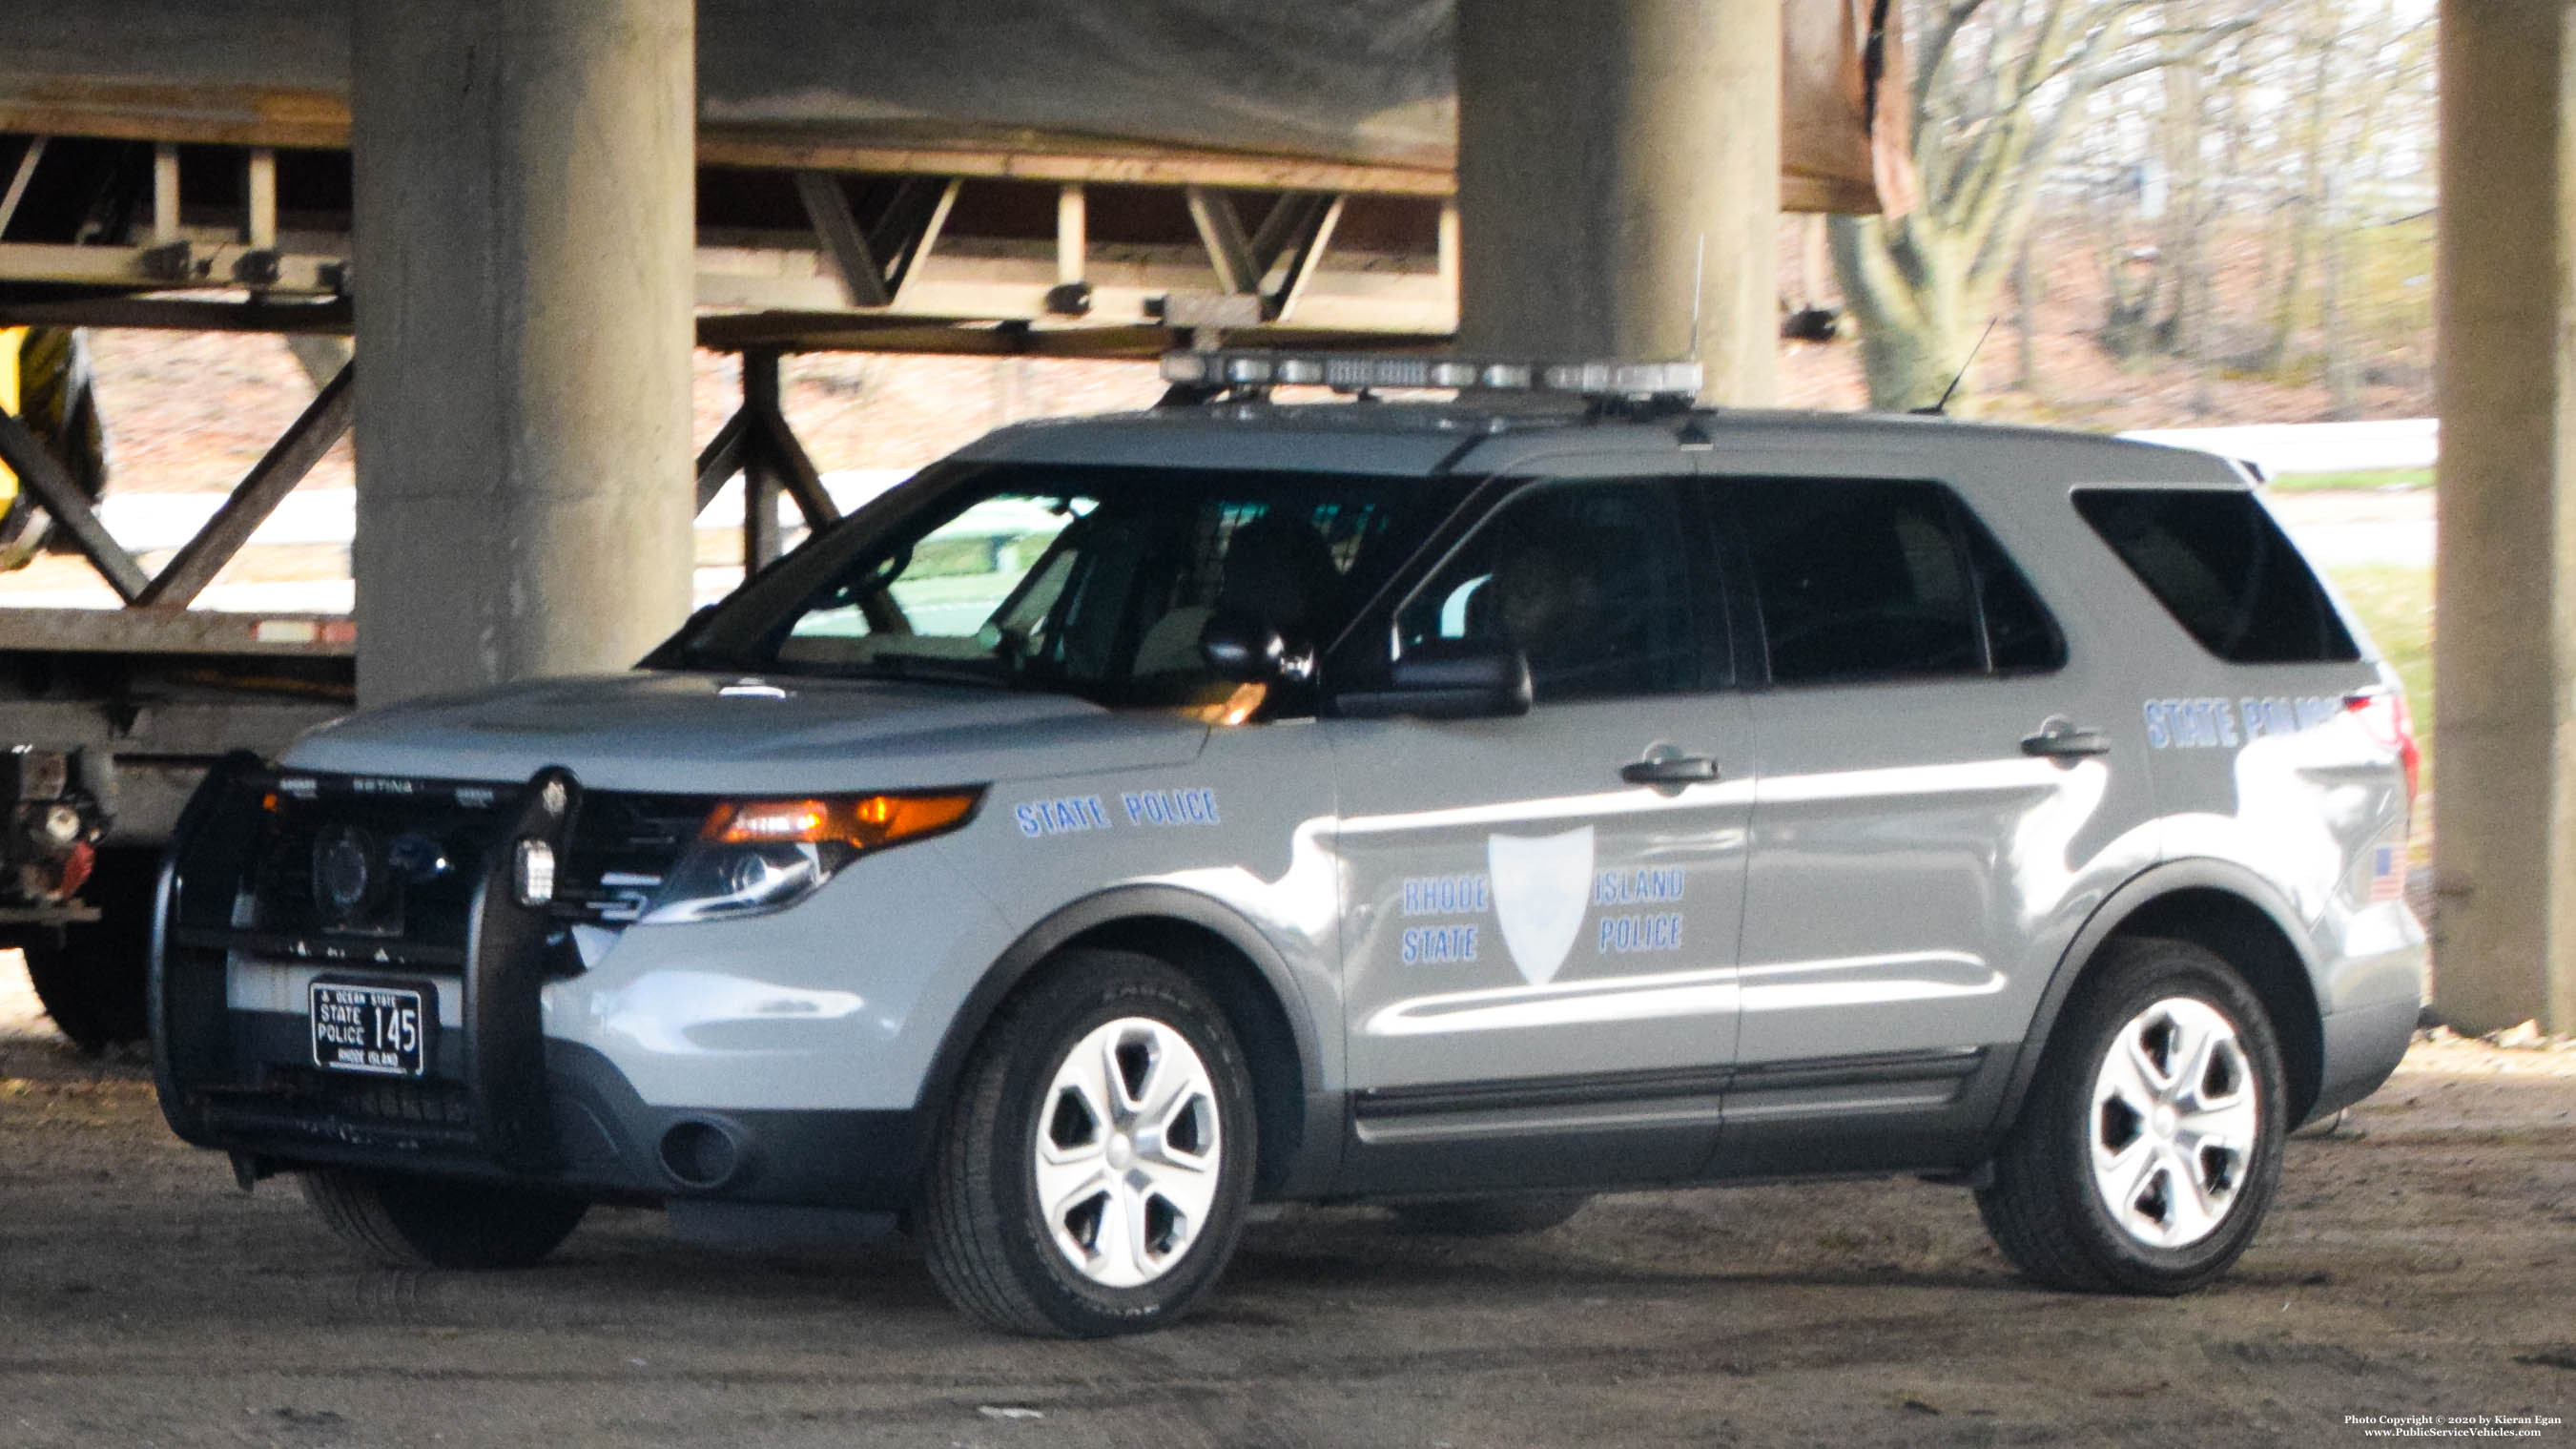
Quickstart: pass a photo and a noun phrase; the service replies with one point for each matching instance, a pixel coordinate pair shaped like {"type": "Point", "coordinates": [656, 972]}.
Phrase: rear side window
{"type": "Point", "coordinates": [2223, 568]}
{"type": "Point", "coordinates": [1863, 579]}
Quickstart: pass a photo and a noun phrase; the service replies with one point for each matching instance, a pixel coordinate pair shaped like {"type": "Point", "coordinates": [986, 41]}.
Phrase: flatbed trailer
{"type": "Point", "coordinates": [115, 715]}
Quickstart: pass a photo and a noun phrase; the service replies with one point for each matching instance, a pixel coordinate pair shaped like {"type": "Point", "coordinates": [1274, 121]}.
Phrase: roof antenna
{"type": "Point", "coordinates": [1942, 408]}
{"type": "Point", "coordinates": [1699, 273]}
{"type": "Point", "coordinates": [1691, 435]}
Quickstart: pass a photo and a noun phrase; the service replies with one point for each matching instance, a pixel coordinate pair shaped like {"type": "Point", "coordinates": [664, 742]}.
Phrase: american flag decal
{"type": "Point", "coordinates": [2388, 873]}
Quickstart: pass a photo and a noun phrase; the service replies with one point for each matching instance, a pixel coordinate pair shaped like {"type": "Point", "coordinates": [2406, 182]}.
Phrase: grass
{"type": "Point", "coordinates": [2368, 480]}
{"type": "Point", "coordinates": [2395, 603]}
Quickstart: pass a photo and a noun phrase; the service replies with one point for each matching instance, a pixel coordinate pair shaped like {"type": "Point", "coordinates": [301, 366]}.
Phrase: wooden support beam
{"type": "Point", "coordinates": [1288, 222]}
{"type": "Point", "coordinates": [1221, 231]}
{"type": "Point", "coordinates": [18, 180]}
{"type": "Point", "coordinates": [827, 206]}
{"type": "Point", "coordinates": [1307, 260]}
{"type": "Point", "coordinates": [293, 455]}
{"type": "Point", "coordinates": [1072, 232]}
{"type": "Point", "coordinates": [259, 198]}
{"type": "Point", "coordinates": [928, 240]}
{"type": "Point", "coordinates": [722, 458]}
{"type": "Point", "coordinates": [165, 192]}
{"type": "Point", "coordinates": [44, 478]}
{"type": "Point", "coordinates": [780, 453]}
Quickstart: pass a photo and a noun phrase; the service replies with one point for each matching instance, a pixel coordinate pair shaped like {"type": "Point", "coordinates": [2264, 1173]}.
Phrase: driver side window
{"type": "Point", "coordinates": [1589, 580]}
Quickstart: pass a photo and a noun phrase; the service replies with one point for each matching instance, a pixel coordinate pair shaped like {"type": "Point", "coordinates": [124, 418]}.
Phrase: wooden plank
{"type": "Point", "coordinates": [1132, 165]}
{"type": "Point", "coordinates": [293, 455]}
{"type": "Point", "coordinates": [172, 631]}
{"type": "Point", "coordinates": [41, 476]}
{"type": "Point", "coordinates": [324, 319]}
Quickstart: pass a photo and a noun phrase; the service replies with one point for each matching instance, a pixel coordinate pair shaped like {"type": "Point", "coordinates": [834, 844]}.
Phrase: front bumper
{"type": "Point", "coordinates": [497, 1099]}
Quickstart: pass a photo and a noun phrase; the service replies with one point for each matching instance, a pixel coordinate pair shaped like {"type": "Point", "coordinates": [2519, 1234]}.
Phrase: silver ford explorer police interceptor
{"type": "Point", "coordinates": [1464, 806]}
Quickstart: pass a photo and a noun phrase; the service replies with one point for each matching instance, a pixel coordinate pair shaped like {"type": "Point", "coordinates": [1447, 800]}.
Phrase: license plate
{"type": "Point", "coordinates": [380, 1030]}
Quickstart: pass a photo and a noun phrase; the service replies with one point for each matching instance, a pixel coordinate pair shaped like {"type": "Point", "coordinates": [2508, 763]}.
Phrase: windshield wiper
{"type": "Point", "coordinates": [924, 669]}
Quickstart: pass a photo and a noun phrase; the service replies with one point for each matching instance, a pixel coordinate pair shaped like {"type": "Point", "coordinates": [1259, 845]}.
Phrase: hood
{"type": "Point", "coordinates": [687, 733]}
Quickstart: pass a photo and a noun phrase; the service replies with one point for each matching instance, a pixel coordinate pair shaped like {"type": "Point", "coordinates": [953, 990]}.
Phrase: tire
{"type": "Point", "coordinates": [1489, 1217]}
{"type": "Point", "coordinates": [1055, 1073]}
{"type": "Point", "coordinates": [2132, 1170]}
{"type": "Point", "coordinates": [94, 979]}
{"type": "Point", "coordinates": [413, 1222]}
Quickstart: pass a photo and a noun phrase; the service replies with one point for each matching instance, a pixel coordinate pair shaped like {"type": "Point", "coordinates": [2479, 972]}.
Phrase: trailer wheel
{"type": "Point", "coordinates": [92, 978]}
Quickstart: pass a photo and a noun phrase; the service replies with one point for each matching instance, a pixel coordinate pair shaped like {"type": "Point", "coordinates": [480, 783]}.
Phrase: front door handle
{"type": "Point", "coordinates": [1670, 770]}
{"type": "Point", "coordinates": [2060, 740]}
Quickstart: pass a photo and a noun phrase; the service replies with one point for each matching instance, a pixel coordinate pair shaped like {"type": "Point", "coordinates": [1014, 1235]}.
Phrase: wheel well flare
{"type": "Point", "coordinates": [1252, 1009]}
{"type": "Point", "coordinates": [2246, 937]}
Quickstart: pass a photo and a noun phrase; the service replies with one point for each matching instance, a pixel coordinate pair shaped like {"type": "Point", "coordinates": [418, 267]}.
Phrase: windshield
{"type": "Point", "coordinates": [1093, 581]}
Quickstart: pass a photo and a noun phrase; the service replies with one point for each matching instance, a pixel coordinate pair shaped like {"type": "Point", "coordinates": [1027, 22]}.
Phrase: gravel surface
{"type": "Point", "coordinates": [2421, 1260]}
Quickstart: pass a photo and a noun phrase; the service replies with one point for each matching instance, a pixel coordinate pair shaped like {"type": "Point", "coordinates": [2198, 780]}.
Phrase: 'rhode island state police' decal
{"type": "Point", "coordinates": [1541, 888]}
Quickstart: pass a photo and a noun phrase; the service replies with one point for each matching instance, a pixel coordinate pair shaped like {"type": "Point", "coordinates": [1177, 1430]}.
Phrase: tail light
{"type": "Point", "coordinates": [2383, 712]}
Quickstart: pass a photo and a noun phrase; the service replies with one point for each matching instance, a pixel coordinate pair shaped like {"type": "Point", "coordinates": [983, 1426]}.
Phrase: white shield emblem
{"type": "Point", "coordinates": [1540, 890]}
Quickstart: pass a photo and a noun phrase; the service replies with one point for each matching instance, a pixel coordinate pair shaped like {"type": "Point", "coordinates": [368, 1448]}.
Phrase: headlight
{"type": "Point", "coordinates": [754, 856]}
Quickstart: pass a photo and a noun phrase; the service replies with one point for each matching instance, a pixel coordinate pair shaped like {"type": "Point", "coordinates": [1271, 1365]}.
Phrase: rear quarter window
{"type": "Point", "coordinates": [2224, 569]}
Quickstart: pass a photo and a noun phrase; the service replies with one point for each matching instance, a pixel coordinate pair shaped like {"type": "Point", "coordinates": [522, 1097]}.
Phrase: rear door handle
{"type": "Point", "coordinates": [1670, 770]}
{"type": "Point", "coordinates": [2058, 740]}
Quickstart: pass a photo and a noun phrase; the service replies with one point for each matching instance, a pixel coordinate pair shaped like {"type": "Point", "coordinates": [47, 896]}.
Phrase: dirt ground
{"type": "Point", "coordinates": [2421, 1261]}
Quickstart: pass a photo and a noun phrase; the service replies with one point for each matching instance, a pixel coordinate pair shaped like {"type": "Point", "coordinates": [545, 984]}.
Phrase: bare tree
{"type": "Point", "coordinates": [1997, 86]}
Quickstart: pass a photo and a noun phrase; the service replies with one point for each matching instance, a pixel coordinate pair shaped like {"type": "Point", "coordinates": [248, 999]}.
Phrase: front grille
{"type": "Point", "coordinates": [365, 868]}
{"type": "Point", "coordinates": [420, 1102]}
{"type": "Point", "coordinates": [393, 863]}
{"type": "Point", "coordinates": [623, 846]}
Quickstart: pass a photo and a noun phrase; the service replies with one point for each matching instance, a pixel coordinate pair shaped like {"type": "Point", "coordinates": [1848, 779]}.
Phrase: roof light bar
{"type": "Point", "coordinates": [1354, 372]}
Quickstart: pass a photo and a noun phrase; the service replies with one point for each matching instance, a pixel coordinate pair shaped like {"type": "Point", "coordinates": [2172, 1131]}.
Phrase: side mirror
{"type": "Point", "coordinates": [1448, 680]}
{"type": "Point", "coordinates": [1240, 646]}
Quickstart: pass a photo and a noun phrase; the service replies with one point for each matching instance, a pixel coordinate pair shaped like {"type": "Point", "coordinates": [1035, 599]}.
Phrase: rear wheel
{"type": "Point", "coordinates": [1092, 1174]}
{"type": "Point", "coordinates": [1488, 1217]}
{"type": "Point", "coordinates": [2151, 1143]}
{"type": "Point", "coordinates": [412, 1222]}
{"type": "Point", "coordinates": [93, 978]}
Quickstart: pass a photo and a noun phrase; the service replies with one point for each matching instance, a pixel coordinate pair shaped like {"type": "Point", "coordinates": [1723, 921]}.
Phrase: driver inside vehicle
{"type": "Point", "coordinates": [1278, 569]}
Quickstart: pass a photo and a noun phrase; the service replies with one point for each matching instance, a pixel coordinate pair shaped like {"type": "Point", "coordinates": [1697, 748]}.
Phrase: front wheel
{"type": "Point", "coordinates": [2151, 1143]}
{"type": "Point", "coordinates": [414, 1222]}
{"type": "Point", "coordinates": [1092, 1175]}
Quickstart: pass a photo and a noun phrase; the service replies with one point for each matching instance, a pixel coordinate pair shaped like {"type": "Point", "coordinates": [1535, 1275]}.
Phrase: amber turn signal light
{"type": "Point", "coordinates": [863, 822]}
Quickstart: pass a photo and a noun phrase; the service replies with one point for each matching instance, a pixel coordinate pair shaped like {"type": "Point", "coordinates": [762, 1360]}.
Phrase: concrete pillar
{"type": "Point", "coordinates": [1608, 156]}
{"type": "Point", "coordinates": [522, 270]}
{"type": "Point", "coordinates": [2505, 668]}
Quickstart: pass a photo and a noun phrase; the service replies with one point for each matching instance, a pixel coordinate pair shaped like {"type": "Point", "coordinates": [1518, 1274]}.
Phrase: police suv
{"type": "Point", "coordinates": [1461, 805]}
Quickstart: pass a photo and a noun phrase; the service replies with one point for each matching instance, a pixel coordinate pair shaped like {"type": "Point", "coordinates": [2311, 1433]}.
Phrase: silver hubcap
{"type": "Point", "coordinates": [1127, 1152]}
{"type": "Point", "coordinates": [2174, 1123]}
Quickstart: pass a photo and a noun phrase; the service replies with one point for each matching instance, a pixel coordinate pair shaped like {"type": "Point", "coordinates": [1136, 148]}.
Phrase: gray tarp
{"type": "Point", "coordinates": [1347, 80]}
